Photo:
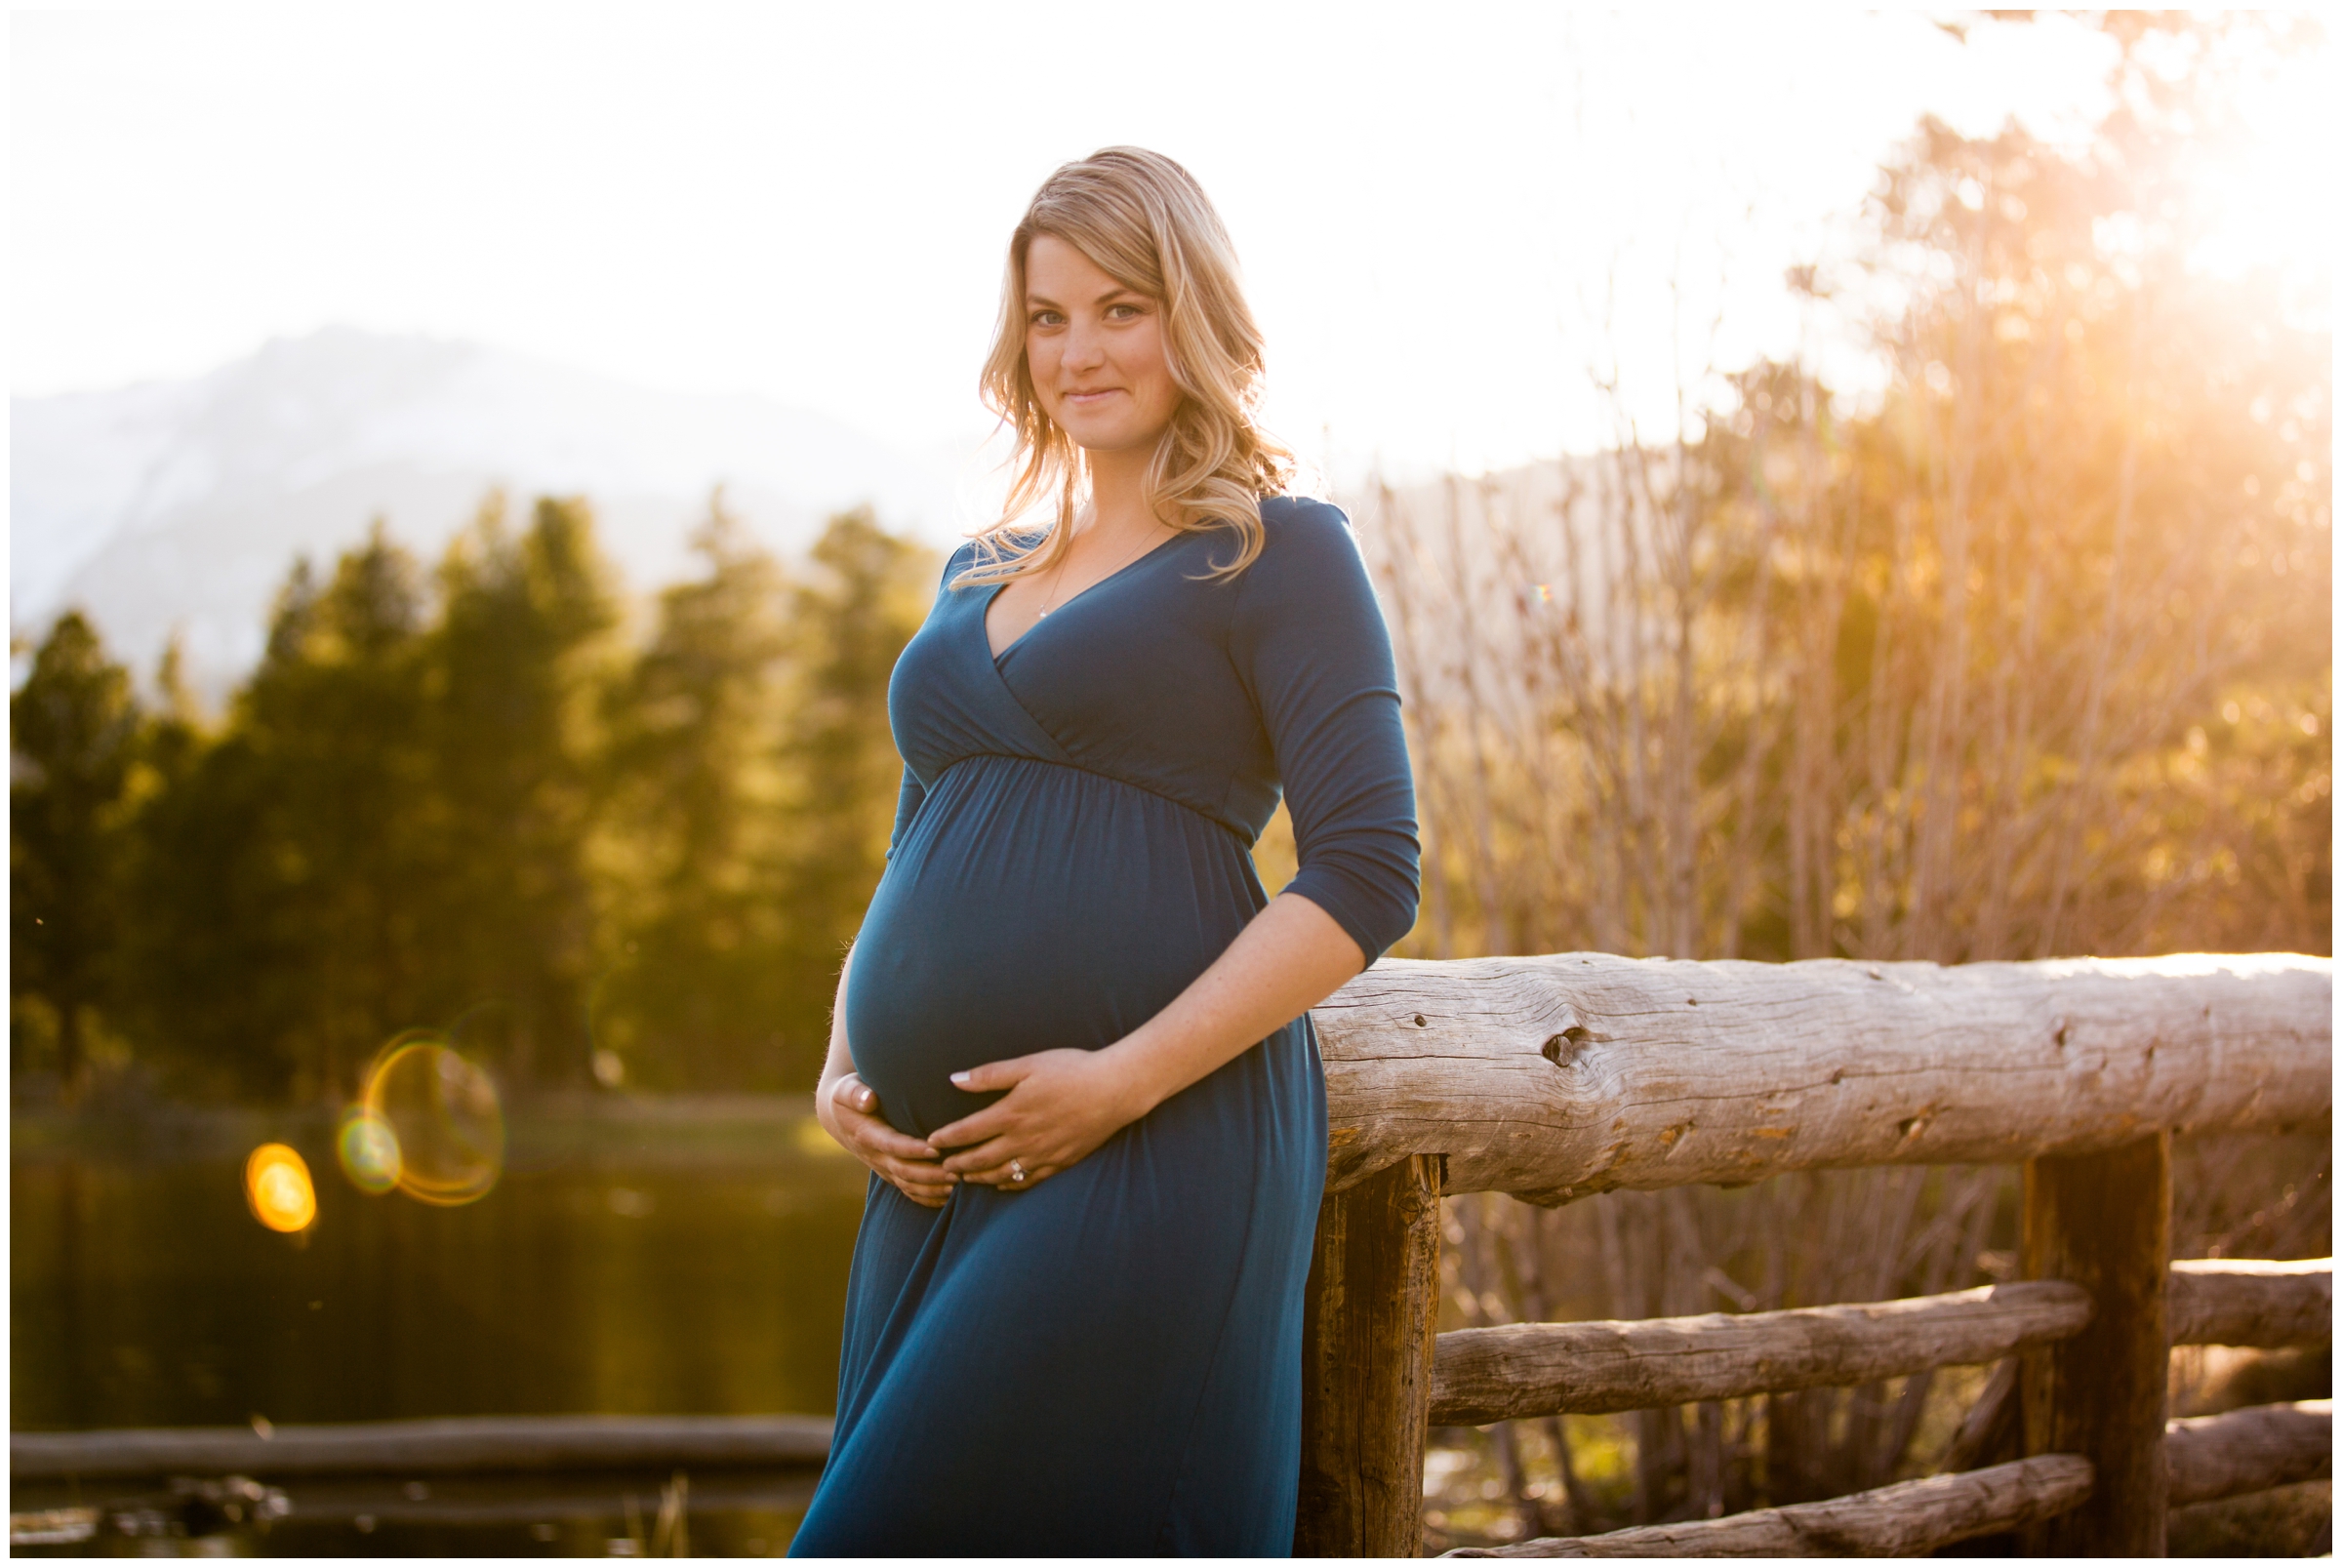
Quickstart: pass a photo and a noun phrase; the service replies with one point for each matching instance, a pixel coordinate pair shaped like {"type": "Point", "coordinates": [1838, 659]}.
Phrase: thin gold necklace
{"type": "Point", "coordinates": [1058, 575]}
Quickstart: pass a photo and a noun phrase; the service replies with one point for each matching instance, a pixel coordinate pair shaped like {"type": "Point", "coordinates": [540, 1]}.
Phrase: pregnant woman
{"type": "Point", "coordinates": [1072, 1040]}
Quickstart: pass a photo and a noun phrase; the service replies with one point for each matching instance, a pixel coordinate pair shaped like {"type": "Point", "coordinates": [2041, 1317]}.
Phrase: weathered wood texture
{"type": "Point", "coordinates": [2249, 1449]}
{"type": "Point", "coordinates": [470, 1502]}
{"type": "Point", "coordinates": [1540, 1369]}
{"type": "Point", "coordinates": [2103, 1222]}
{"type": "Point", "coordinates": [1371, 1309]}
{"type": "Point", "coordinates": [1904, 1520]}
{"type": "Point", "coordinates": [412, 1447]}
{"type": "Point", "coordinates": [2238, 1300]}
{"type": "Point", "coordinates": [1557, 1077]}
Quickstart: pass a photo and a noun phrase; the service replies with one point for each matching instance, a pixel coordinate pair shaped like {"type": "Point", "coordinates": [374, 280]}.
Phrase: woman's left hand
{"type": "Point", "coordinates": [1059, 1107]}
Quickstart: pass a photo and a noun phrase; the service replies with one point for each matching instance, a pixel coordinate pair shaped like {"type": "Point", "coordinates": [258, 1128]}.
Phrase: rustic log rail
{"type": "Point", "coordinates": [469, 1445]}
{"type": "Point", "coordinates": [2249, 1449]}
{"type": "Point", "coordinates": [1559, 1077]}
{"type": "Point", "coordinates": [1481, 1375]}
{"type": "Point", "coordinates": [1906, 1520]}
{"type": "Point", "coordinates": [2268, 1305]}
{"type": "Point", "coordinates": [1549, 1369]}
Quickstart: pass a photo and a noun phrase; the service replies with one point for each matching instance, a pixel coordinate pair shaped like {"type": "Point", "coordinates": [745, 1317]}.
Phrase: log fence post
{"type": "Point", "coordinates": [2104, 1222]}
{"type": "Point", "coordinates": [1369, 1317]}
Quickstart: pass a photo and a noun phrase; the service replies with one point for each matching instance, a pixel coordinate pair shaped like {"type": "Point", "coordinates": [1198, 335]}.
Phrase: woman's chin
{"type": "Point", "coordinates": [1103, 437]}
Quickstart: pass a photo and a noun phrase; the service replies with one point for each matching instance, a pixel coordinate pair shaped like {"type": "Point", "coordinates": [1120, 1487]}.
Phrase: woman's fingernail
{"type": "Point", "coordinates": [961, 1078]}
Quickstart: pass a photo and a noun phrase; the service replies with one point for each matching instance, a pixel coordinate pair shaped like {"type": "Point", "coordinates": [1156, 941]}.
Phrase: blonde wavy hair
{"type": "Point", "coordinates": [1143, 221]}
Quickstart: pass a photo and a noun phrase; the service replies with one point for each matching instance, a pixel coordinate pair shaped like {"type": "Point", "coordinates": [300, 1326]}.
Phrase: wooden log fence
{"type": "Point", "coordinates": [1559, 1077]}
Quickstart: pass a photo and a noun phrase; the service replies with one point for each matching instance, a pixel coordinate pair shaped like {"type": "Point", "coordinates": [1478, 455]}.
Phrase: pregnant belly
{"type": "Point", "coordinates": [1032, 905]}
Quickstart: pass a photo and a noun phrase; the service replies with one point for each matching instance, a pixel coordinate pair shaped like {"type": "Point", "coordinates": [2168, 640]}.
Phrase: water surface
{"type": "Point", "coordinates": [636, 1258]}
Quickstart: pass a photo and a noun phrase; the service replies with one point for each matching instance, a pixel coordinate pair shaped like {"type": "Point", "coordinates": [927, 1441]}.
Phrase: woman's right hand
{"type": "Point", "coordinates": [849, 1114]}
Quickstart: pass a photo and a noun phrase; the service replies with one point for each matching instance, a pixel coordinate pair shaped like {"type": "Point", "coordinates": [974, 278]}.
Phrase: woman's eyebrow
{"type": "Point", "coordinates": [1041, 302]}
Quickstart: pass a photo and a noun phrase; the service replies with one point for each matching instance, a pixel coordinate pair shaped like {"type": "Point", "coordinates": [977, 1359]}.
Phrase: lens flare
{"type": "Point", "coordinates": [442, 1117]}
{"type": "Point", "coordinates": [368, 1150]}
{"type": "Point", "coordinates": [276, 1184]}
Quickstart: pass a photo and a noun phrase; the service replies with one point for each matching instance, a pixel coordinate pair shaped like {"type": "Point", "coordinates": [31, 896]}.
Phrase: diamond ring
{"type": "Point", "coordinates": [1015, 1169]}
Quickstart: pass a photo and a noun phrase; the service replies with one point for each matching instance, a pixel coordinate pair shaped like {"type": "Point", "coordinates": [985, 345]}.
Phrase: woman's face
{"type": "Point", "coordinates": [1095, 349]}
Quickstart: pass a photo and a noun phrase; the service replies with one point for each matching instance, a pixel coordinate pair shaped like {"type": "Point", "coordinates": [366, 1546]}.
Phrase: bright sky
{"type": "Point", "coordinates": [811, 201]}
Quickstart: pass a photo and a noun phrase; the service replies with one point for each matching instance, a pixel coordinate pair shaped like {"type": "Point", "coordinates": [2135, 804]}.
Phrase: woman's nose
{"type": "Point", "coordinates": [1085, 347]}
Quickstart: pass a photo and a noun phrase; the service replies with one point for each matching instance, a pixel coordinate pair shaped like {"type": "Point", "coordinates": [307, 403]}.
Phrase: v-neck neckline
{"type": "Point", "coordinates": [984, 616]}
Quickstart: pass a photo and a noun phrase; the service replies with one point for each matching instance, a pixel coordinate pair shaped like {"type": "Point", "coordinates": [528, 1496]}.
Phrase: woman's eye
{"type": "Point", "coordinates": [1046, 318]}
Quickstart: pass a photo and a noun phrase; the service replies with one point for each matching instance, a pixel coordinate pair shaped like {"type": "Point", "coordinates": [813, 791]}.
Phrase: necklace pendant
{"type": "Point", "coordinates": [1040, 615]}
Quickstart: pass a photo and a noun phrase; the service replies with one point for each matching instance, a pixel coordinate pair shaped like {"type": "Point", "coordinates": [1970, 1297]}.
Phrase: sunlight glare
{"type": "Point", "coordinates": [2262, 195]}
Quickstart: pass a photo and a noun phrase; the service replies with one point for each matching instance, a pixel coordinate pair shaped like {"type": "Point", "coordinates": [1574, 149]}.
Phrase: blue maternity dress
{"type": "Point", "coordinates": [1111, 1361]}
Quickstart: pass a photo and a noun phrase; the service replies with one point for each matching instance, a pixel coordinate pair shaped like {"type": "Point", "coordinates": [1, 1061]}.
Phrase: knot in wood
{"type": "Point", "coordinates": [1562, 1049]}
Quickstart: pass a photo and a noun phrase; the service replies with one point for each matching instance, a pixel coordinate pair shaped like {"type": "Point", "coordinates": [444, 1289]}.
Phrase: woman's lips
{"type": "Point", "coordinates": [1087, 399]}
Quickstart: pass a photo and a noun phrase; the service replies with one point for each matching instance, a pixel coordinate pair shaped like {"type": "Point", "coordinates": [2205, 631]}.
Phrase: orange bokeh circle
{"type": "Point", "coordinates": [277, 1187]}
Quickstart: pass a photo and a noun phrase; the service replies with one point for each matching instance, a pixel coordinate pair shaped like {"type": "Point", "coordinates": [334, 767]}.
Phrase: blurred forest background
{"type": "Point", "coordinates": [466, 800]}
{"type": "Point", "coordinates": [2028, 654]}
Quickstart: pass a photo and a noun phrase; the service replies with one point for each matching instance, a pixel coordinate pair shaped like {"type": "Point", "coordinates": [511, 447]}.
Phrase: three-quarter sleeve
{"type": "Point", "coordinates": [1310, 642]}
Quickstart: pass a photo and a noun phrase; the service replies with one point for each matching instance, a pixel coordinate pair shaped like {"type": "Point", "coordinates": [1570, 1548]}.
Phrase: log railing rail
{"type": "Point", "coordinates": [2267, 1306]}
{"type": "Point", "coordinates": [1904, 1520]}
{"type": "Point", "coordinates": [1480, 1375]}
{"type": "Point", "coordinates": [2249, 1449]}
{"type": "Point", "coordinates": [461, 1444]}
{"type": "Point", "coordinates": [1559, 1077]}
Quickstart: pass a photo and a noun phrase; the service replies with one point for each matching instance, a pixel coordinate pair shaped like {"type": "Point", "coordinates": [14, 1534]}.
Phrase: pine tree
{"type": "Point", "coordinates": [73, 735]}
{"type": "Point", "coordinates": [516, 665]}
{"type": "Point", "coordinates": [283, 868]}
{"type": "Point", "coordinates": [849, 624]}
{"type": "Point", "coordinates": [692, 985]}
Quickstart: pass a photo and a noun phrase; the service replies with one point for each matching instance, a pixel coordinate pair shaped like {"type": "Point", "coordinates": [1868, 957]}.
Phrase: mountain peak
{"type": "Point", "coordinates": [180, 505]}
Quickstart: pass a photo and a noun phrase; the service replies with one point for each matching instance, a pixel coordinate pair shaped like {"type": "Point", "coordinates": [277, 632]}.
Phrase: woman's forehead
{"type": "Point", "coordinates": [1055, 266]}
